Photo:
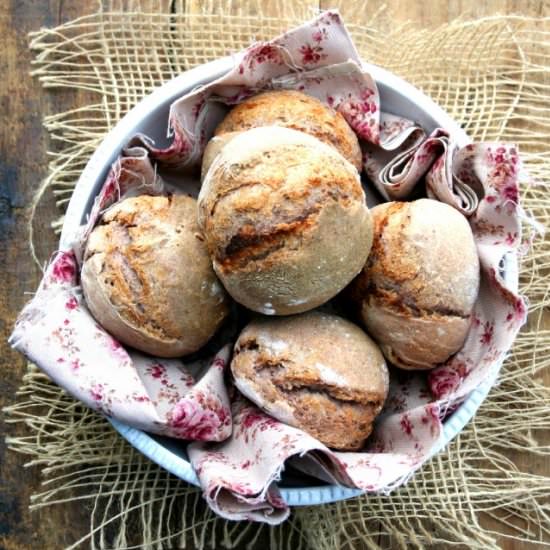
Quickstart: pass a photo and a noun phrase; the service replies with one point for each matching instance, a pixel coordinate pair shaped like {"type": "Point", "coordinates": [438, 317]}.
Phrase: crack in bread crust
{"type": "Point", "coordinates": [361, 414]}
{"type": "Point", "coordinates": [260, 232]}
{"type": "Point", "coordinates": [383, 284]}
{"type": "Point", "coordinates": [331, 391]}
{"type": "Point", "coordinates": [249, 345]}
{"type": "Point", "coordinates": [275, 369]}
{"type": "Point", "coordinates": [134, 282]}
{"type": "Point", "coordinates": [404, 304]}
{"type": "Point", "coordinates": [221, 196]}
{"type": "Point", "coordinates": [250, 245]}
{"type": "Point", "coordinates": [397, 359]}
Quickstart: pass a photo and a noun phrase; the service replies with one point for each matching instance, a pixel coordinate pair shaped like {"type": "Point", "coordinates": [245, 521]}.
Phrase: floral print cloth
{"type": "Point", "coordinates": [238, 451]}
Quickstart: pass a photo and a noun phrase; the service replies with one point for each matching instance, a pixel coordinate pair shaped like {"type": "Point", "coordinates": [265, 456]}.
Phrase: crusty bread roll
{"type": "Point", "coordinates": [418, 288]}
{"type": "Point", "coordinates": [315, 371]}
{"type": "Point", "coordinates": [147, 277]}
{"type": "Point", "coordinates": [285, 220]}
{"type": "Point", "coordinates": [298, 111]}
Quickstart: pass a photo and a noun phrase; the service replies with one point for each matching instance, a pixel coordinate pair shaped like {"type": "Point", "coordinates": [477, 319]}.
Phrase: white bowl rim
{"type": "Point", "coordinates": [95, 172]}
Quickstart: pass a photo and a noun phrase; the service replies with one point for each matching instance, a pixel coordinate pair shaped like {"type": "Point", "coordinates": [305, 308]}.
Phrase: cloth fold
{"type": "Point", "coordinates": [241, 452]}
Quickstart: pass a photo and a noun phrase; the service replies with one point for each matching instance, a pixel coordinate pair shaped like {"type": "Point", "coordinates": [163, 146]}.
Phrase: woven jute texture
{"type": "Point", "coordinates": [493, 76]}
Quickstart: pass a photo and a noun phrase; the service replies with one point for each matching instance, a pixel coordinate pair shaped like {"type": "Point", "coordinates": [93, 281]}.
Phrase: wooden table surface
{"type": "Point", "coordinates": [23, 165]}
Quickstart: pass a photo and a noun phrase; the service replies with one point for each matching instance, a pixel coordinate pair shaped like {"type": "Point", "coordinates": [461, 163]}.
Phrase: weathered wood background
{"type": "Point", "coordinates": [23, 165]}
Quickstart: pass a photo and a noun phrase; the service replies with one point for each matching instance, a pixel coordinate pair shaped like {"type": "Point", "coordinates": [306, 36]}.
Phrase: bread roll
{"type": "Point", "coordinates": [418, 288]}
{"type": "Point", "coordinates": [147, 277]}
{"type": "Point", "coordinates": [314, 371]}
{"type": "Point", "coordinates": [298, 111]}
{"type": "Point", "coordinates": [285, 220]}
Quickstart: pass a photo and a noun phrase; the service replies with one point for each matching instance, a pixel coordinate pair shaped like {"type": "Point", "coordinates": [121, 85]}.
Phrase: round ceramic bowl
{"type": "Point", "coordinates": [150, 117]}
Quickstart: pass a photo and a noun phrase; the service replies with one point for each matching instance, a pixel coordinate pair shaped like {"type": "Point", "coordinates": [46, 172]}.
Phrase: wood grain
{"type": "Point", "coordinates": [23, 165]}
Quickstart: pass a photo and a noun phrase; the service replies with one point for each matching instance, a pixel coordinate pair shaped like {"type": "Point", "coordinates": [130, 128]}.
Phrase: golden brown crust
{"type": "Point", "coordinates": [290, 368]}
{"type": "Point", "coordinates": [297, 111]}
{"type": "Point", "coordinates": [420, 282]}
{"type": "Point", "coordinates": [286, 223]}
{"type": "Point", "coordinates": [147, 276]}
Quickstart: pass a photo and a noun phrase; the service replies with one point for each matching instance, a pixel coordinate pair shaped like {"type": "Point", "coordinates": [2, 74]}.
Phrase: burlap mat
{"type": "Point", "coordinates": [491, 75]}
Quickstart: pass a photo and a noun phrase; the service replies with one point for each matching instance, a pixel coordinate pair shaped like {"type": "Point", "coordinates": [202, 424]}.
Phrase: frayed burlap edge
{"type": "Point", "coordinates": [492, 76]}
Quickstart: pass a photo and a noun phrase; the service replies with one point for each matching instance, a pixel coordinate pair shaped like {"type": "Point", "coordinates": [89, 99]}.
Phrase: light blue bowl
{"type": "Point", "coordinates": [150, 117]}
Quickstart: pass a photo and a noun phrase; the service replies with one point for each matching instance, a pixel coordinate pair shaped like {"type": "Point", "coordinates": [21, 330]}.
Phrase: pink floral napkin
{"type": "Point", "coordinates": [239, 452]}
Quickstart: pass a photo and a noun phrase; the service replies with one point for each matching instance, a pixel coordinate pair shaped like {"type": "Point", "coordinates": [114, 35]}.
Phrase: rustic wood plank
{"type": "Point", "coordinates": [23, 165]}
